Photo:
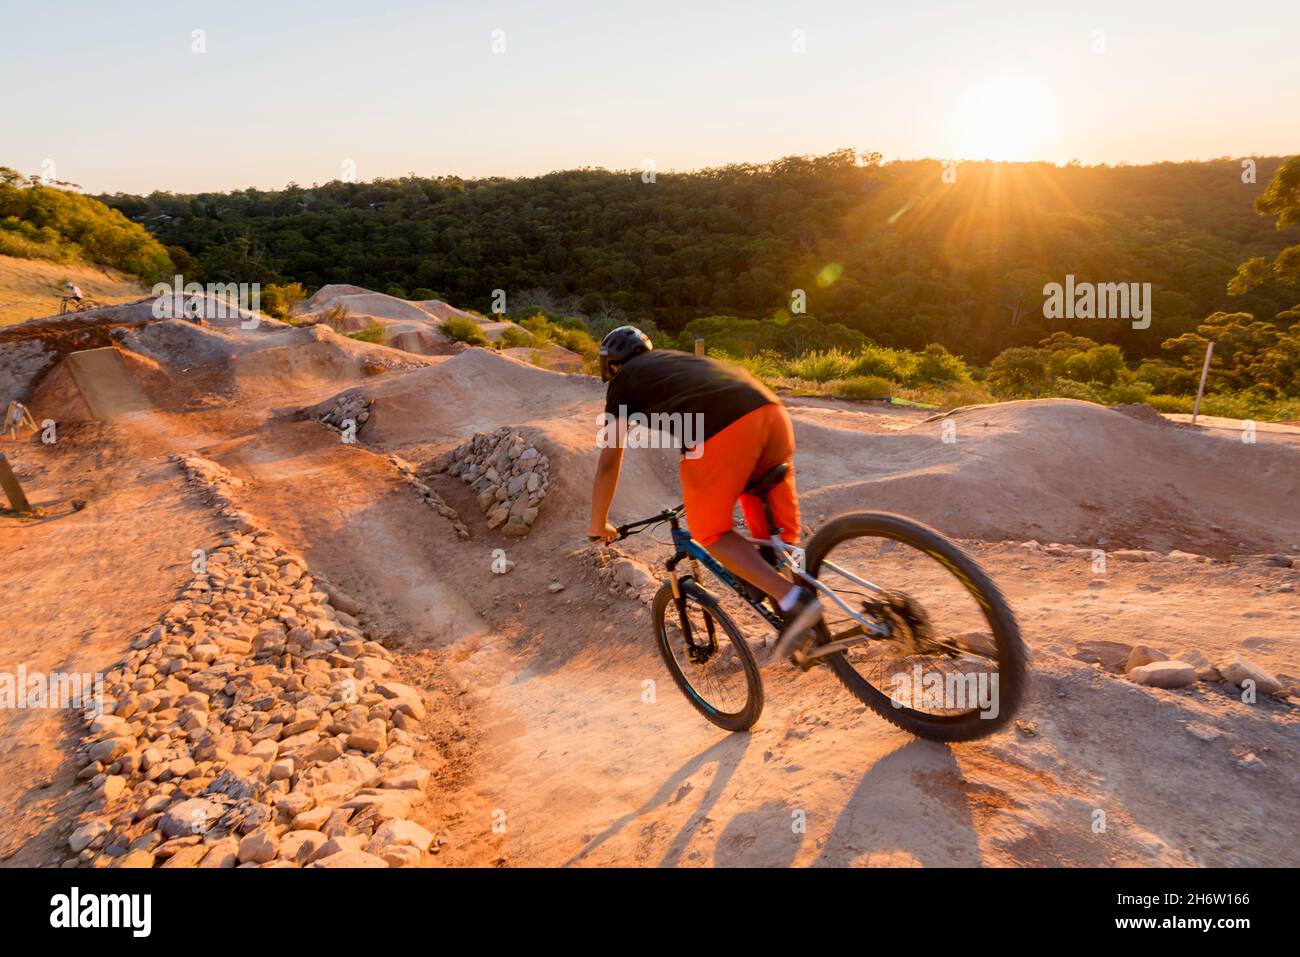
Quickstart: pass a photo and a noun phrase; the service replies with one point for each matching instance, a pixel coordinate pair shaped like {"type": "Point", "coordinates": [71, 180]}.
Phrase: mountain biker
{"type": "Point", "coordinates": [744, 431]}
{"type": "Point", "coordinates": [74, 292]}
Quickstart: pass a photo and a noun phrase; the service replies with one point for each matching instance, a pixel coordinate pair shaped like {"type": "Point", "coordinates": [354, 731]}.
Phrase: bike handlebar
{"type": "Point", "coordinates": [630, 528]}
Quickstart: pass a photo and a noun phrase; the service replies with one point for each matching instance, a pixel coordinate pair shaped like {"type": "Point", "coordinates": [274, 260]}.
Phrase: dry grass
{"type": "Point", "coordinates": [31, 288]}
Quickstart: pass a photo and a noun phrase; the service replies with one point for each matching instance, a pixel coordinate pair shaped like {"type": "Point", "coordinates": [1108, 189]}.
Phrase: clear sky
{"type": "Point", "coordinates": [115, 96]}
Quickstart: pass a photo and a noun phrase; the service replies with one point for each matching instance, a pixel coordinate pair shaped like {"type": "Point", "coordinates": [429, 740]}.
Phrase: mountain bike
{"type": "Point", "coordinates": [71, 304]}
{"type": "Point", "coordinates": [930, 644]}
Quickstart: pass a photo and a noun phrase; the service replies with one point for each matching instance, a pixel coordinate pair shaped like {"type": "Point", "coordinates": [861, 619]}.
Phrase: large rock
{"type": "Point", "coordinates": [1164, 674]}
{"type": "Point", "coordinates": [1238, 668]}
{"type": "Point", "coordinates": [193, 816]}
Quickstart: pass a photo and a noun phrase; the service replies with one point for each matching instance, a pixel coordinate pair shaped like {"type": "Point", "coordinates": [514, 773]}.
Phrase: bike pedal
{"type": "Point", "coordinates": [805, 661]}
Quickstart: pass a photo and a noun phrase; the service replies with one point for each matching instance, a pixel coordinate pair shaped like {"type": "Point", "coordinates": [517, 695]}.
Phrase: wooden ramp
{"type": "Point", "coordinates": [105, 383]}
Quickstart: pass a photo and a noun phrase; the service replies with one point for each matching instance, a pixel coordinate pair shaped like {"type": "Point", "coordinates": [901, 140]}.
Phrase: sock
{"type": "Point", "coordinates": [790, 598]}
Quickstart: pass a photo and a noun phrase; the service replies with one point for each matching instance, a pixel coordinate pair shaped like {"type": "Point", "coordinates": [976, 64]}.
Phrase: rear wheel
{"type": "Point", "coordinates": [713, 666]}
{"type": "Point", "coordinates": [949, 665]}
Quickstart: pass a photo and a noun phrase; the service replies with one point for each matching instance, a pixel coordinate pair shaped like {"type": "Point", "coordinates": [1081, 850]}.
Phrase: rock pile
{"type": "Point", "coordinates": [430, 497]}
{"type": "Point", "coordinates": [352, 405]}
{"type": "Point", "coordinates": [253, 725]}
{"type": "Point", "coordinates": [1145, 665]}
{"type": "Point", "coordinates": [510, 476]}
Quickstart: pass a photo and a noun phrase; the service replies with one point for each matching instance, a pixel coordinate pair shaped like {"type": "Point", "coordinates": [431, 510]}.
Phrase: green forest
{"type": "Point", "coordinates": [890, 250]}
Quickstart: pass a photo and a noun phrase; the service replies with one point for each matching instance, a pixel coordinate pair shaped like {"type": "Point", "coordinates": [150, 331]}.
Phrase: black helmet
{"type": "Point", "coordinates": [620, 345]}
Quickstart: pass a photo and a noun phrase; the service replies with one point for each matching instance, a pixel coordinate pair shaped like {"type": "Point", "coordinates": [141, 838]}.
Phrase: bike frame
{"type": "Point", "coordinates": [788, 557]}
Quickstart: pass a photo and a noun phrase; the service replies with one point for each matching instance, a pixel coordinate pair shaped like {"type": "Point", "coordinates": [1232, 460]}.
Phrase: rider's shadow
{"type": "Point", "coordinates": [726, 754]}
{"type": "Point", "coordinates": [909, 810]}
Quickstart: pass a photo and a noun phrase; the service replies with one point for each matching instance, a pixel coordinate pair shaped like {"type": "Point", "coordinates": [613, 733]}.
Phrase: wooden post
{"type": "Point", "coordinates": [9, 482]}
{"type": "Point", "coordinates": [699, 346]}
{"type": "Point", "coordinates": [1205, 371]}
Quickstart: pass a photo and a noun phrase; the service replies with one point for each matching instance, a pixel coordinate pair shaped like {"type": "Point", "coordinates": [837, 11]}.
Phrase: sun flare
{"type": "Point", "coordinates": [1005, 119]}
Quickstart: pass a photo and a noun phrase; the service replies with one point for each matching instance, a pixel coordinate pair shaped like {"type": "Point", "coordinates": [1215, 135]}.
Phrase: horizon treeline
{"type": "Point", "coordinates": [907, 253]}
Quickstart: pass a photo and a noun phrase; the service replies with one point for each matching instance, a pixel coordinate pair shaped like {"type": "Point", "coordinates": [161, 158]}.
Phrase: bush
{"type": "Point", "coordinates": [895, 364]}
{"type": "Point", "coordinates": [1127, 393]}
{"type": "Point", "coordinates": [394, 290]}
{"type": "Point", "coordinates": [278, 300]}
{"type": "Point", "coordinates": [1018, 371]}
{"type": "Point", "coordinates": [373, 333]}
{"type": "Point", "coordinates": [1170, 403]}
{"type": "Point", "coordinates": [464, 330]}
{"type": "Point", "coordinates": [821, 366]}
{"type": "Point", "coordinates": [513, 337]}
{"type": "Point", "coordinates": [335, 316]}
{"type": "Point", "coordinates": [937, 366]}
{"type": "Point", "coordinates": [421, 294]}
{"type": "Point", "coordinates": [765, 365]}
{"type": "Point", "coordinates": [863, 387]}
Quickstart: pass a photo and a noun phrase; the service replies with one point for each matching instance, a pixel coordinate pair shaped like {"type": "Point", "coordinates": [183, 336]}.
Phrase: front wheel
{"type": "Point", "coordinates": [943, 658]}
{"type": "Point", "coordinates": [708, 658]}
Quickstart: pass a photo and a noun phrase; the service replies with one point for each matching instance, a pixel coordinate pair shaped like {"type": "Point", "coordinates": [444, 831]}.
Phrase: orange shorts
{"type": "Point", "coordinates": [744, 450]}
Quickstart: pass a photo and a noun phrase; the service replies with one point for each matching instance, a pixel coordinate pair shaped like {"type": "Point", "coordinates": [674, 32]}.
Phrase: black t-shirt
{"type": "Point", "coordinates": [665, 383]}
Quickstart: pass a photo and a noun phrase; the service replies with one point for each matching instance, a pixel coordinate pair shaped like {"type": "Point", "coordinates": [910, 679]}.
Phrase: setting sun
{"type": "Point", "coordinates": [1004, 119]}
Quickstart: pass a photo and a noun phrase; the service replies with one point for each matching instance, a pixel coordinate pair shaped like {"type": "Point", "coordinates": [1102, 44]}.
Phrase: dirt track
{"type": "Point", "coordinates": [550, 752]}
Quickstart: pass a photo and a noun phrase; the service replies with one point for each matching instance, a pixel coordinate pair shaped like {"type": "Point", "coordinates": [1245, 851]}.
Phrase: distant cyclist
{"type": "Point", "coordinates": [74, 293]}
{"type": "Point", "coordinates": [745, 432]}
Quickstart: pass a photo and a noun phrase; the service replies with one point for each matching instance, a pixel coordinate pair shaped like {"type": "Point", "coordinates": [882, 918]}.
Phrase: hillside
{"type": "Point", "coordinates": [32, 288]}
{"type": "Point", "coordinates": [890, 249]}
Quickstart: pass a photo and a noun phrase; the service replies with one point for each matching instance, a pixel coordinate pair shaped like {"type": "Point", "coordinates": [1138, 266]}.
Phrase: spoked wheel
{"type": "Point", "coordinates": [948, 663]}
{"type": "Point", "coordinates": [714, 667]}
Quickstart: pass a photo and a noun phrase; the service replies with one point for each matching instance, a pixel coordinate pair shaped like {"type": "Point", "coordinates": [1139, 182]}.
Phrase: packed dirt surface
{"type": "Point", "coordinates": [33, 287]}
{"type": "Point", "coordinates": [554, 734]}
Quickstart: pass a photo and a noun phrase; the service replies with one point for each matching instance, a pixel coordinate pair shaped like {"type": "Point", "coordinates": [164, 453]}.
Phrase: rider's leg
{"type": "Point", "coordinates": [741, 558]}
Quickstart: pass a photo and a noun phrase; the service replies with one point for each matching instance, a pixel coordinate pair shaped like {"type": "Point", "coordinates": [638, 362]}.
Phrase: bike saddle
{"type": "Point", "coordinates": [768, 480]}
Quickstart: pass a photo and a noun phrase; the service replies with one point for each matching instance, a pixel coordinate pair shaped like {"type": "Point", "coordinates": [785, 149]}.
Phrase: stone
{"type": "Point", "coordinates": [1143, 655]}
{"type": "Point", "coordinates": [400, 831]}
{"type": "Point", "coordinates": [411, 776]}
{"type": "Point", "coordinates": [367, 667]}
{"type": "Point", "coordinates": [1250, 762]}
{"type": "Point", "coordinates": [86, 835]}
{"type": "Point", "coordinates": [1203, 732]}
{"type": "Point", "coordinates": [313, 819]}
{"type": "Point", "coordinates": [369, 739]}
{"type": "Point", "coordinates": [1134, 555]}
{"type": "Point", "coordinates": [1237, 668]}
{"type": "Point", "coordinates": [1163, 674]}
{"type": "Point", "coordinates": [401, 855]}
{"type": "Point", "coordinates": [222, 853]}
{"type": "Point", "coordinates": [187, 856]}
{"type": "Point", "coordinates": [350, 859]}
{"type": "Point", "coordinates": [282, 770]}
{"type": "Point", "coordinates": [259, 846]}
{"type": "Point", "coordinates": [193, 816]}
{"type": "Point", "coordinates": [110, 749]}
{"type": "Point", "coordinates": [555, 587]}
{"type": "Point", "coordinates": [1111, 655]}
{"type": "Point", "coordinates": [299, 846]}
{"type": "Point", "coordinates": [1205, 671]}
{"type": "Point", "coordinates": [137, 858]}
{"type": "Point", "coordinates": [113, 786]}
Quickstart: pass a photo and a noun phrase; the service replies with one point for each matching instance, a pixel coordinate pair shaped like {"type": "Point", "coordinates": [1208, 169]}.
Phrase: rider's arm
{"type": "Point", "coordinates": [602, 492]}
